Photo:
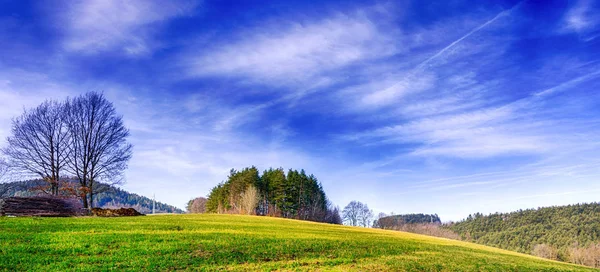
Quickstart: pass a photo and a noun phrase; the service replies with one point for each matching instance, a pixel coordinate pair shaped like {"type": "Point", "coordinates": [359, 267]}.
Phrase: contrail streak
{"type": "Point", "coordinates": [439, 53]}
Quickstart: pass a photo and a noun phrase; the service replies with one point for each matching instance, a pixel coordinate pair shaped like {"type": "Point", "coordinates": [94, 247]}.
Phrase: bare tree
{"type": "Point", "coordinates": [197, 205]}
{"type": "Point", "coordinates": [99, 147]}
{"type": "Point", "coordinates": [38, 145]}
{"type": "Point", "coordinates": [545, 251]}
{"type": "Point", "coordinates": [3, 170]}
{"type": "Point", "coordinates": [4, 188]}
{"type": "Point", "coordinates": [249, 200]}
{"type": "Point", "coordinates": [365, 216]}
{"type": "Point", "coordinates": [351, 213]}
{"type": "Point", "coordinates": [589, 255]}
{"type": "Point", "coordinates": [357, 214]}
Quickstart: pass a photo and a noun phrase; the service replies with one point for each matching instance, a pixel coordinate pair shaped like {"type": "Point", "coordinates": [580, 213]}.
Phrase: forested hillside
{"type": "Point", "coordinates": [108, 197]}
{"type": "Point", "coordinates": [275, 193]}
{"type": "Point", "coordinates": [567, 233]}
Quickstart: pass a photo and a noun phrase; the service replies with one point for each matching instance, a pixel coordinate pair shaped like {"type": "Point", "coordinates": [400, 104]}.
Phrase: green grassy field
{"type": "Point", "coordinates": [240, 243]}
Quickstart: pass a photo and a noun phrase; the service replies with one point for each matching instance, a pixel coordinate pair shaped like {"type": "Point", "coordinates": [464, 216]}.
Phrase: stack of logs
{"type": "Point", "coordinates": [41, 206]}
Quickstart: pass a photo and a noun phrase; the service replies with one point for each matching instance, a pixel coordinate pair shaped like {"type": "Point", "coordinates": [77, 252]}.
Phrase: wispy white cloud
{"type": "Point", "coordinates": [582, 19]}
{"type": "Point", "coordinates": [127, 26]}
{"type": "Point", "coordinates": [20, 89]}
{"type": "Point", "coordinates": [428, 72]}
{"type": "Point", "coordinates": [515, 128]}
{"type": "Point", "coordinates": [284, 52]}
{"type": "Point", "coordinates": [448, 110]}
{"type": "Point", "coordinates": [387, 95]}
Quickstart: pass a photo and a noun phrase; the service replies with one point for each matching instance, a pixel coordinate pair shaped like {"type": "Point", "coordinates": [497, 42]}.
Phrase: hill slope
{"type": "Point", "coordinates": [560, 227]}
{"type": "Point", "coordinates": [110, 197]}
{"type": "Point", "coordinates": [240, 243]}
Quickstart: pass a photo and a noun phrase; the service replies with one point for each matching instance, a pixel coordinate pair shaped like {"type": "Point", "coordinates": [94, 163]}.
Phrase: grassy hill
{"type": "Point", "coordinates": [239, 243]}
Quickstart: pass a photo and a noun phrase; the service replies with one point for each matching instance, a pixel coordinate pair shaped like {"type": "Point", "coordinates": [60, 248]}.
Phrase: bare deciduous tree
{"type": "Point", "coordinates": [249, 200]}
{"type": "Point", "coordinates": [351, 212]}
{"type": "Point", "coordinates": [38, 145]}
{"type": "Point", "coordinates": [589, 255]}
{"type": "Point", "coordinates": [365, 216]}
{"type": "Point", "coordinates": [3, 170]}
{"type": "Point", "coordinates": [545, 251]}
{"type": "Point", "coordinates": [197, 205]}
{"type": "Point", "coordinates": [4, 188]}
{"type": "Point", "coordinates": [99, 147]}
{"type": "Point", "coordinates": [357, 214]}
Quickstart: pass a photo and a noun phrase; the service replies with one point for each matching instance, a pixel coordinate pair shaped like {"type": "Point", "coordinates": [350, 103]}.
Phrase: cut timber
{"type": "Point", "coordinates": [41, 206]}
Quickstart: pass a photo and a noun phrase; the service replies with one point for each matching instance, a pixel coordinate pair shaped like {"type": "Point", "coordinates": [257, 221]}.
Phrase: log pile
{"type": "Point", "coordinates": [41, 206]}
{"type": "Point", "coordinates": [115, 212]}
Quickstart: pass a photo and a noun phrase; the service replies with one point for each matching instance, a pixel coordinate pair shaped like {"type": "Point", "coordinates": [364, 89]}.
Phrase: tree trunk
{"type": "Point", "coordinates": [91, 199]}
{"type": "Point", "coordinates": [85, 201]}
{"type": "Point", "coordinates": [54, 188]}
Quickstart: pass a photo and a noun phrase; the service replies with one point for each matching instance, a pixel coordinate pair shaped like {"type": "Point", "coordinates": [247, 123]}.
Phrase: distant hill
{"type": "Point", "coordinates": [564, 232]}
{"type": "Point", "coordinates": [111, 197]}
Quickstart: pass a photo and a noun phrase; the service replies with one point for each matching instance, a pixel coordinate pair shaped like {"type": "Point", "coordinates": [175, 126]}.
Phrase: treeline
{"type": "Point", "coordinates": [274, 193]}
{"type": "Point", "coordinates": [109, 196]}
{"type": "Point", "coordinates": [394, 221]}
{"type": "Point", "coordinates": [566, 233]}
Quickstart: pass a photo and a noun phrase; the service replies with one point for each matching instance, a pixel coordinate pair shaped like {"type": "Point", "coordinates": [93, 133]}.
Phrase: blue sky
{"type": "Point", "coordinates": [452, 107]}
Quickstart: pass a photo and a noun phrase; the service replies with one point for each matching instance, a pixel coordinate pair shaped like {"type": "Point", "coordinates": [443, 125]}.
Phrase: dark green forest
{"type": "Point", "coordinates": [294, 194]}
{"type": "Point", "coordinates": [393, 221]}
{"type": "Point", "coordinates": [553, 232]}
{"type": "Point", "coordinates": [108, 197]}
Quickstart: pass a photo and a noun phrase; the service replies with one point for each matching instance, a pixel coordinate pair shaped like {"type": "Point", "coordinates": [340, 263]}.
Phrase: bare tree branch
{"type": "Point", "coordinates": [38, 145]}
{"type": "Point", "coordinates": [99, 147]}
{"type": "Point", "coordinates": [4, 188]}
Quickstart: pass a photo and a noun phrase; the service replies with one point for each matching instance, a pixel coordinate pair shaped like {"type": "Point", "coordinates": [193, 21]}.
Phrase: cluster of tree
{"type": "Point", "coordinates": [275, 193]}
{"type": "Point", "coordinates": [196, 205]}
{"type": "Point", "coordinates": [426, 224]}
{"type": "Point", "coordinates": [109, 197]}
{"type": "Point", "coordinates": [81, 138]}
{"type": "Point", "coordinates": [357, 214]}
{"type": "Point", "coordinates": [588, 255]}
{"type": "Point", "coordinates": [563, 233]}
{"type": "Point", "coordinates": [395, 221]}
